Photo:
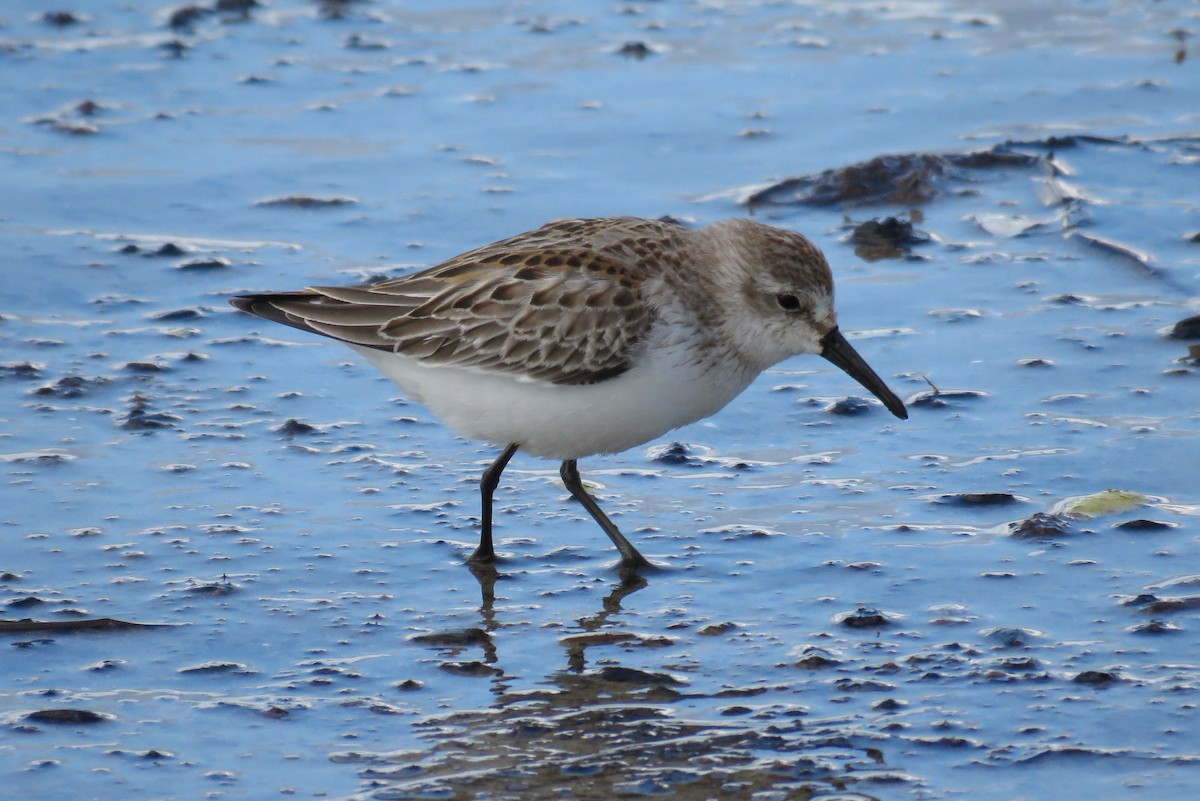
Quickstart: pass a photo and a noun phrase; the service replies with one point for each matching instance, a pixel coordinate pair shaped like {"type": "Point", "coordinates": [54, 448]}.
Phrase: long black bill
{"type": "Point", "coordinates": [836, 349]}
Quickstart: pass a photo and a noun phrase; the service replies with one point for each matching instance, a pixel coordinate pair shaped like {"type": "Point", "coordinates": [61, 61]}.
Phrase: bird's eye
{"type": "Point", "coordinates": [788, 302]}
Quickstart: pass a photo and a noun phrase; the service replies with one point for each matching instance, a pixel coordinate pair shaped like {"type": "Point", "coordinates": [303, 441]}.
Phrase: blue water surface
{"type": "Point", "coordinates": [149, 475]}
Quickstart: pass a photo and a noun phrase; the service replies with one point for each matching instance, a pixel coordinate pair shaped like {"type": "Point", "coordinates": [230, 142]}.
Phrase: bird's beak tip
{"type": "Point", "coordinates": [836, 349]}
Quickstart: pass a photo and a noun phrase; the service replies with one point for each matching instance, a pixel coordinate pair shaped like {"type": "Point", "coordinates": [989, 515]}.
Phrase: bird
{"type": "Point", "coordinates": [587, 336]}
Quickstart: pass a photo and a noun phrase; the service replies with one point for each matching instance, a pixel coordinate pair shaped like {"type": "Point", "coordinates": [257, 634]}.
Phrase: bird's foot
{"type": "Point", "coordinates": [633, 568]}
{"type": "Point", "coordinates": [483, 557]}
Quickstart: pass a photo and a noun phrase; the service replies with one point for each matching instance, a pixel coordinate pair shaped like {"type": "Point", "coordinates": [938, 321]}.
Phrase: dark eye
{"type": "Point", "coordinates": [788, 302]}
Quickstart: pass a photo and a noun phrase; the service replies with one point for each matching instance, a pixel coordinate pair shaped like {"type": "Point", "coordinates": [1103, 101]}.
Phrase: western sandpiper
{"type": "Point", "coordinates": [587, 336]}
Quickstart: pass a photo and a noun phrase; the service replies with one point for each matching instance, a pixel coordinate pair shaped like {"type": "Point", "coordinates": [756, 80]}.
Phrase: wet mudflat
{"type": "Point", "coordinates": [995, 599]}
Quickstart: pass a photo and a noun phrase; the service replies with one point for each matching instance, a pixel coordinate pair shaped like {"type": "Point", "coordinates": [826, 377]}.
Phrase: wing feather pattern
{"type": "Point", "coordinates": [546, 306]}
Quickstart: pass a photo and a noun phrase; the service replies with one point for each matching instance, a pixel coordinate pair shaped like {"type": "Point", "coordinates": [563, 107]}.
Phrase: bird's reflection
{"type": "Point", "coordinates": [630, 583]}
{"type": "Point", "coordinates": [613, 726]}
{"type": "Point", "coordinates": [454, 642]}
{"type": "Point", "coordinates": [487, 575]}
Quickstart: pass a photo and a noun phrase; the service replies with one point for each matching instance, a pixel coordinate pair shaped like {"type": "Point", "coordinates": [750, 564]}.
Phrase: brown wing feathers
{"type": "Point", "coordinates": [564, 315]}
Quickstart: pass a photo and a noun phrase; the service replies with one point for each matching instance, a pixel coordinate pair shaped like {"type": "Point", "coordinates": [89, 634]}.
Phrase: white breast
{"type": "Point", "coordinates": [665, 389]}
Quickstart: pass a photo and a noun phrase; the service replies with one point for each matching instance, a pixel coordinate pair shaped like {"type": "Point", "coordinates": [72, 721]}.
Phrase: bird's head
{"type": "Point", "coordinates": [777, 295]}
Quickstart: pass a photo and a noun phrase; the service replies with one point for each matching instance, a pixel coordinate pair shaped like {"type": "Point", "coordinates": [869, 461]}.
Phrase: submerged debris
{"type": "Point", "coordinates": [186, 16]}
{"type": "Point", "coordinates": [1187, 328]}
{"type": "Point", "coordinates": [204, 263]}
{"type": "Point", "coordinates": [307, 201]}
{"type": "Point", "coordinates": [1155, 627]}
{"type": "Point", "coordinates": [1012, 636]}
{"type": "Point", "coordinates": [66, 626]}
{"type": "Point", "coordinates": [61, 19]}
{"type": "Point", "coordinates": [293, 427]}
{"type": "Point", "coordinates": [41, 458]}
{"type": "Point", "coordinates": [943, 398]}
{"type": "Point", "coordinates": [471, 668]}
{"type": "Point", "coordinates": [817, 659]}
{"type": "Point", "coordinates": [1153, 605]}
{"type": "Point", "coordinates": [70, 386]}
{"type": "Point", "coordinates": [673, 453]}
{"type": "Point", "coordinates": [23, 369]}
{"type": "Point", "coordinates": [1060, 520]}
{"type": "Point", "coordinates": [978, 498]}
{"type": "Point", "coordinates": [1143, 524]}
{"type": "Point", "coordinates": [218, 667]}
{"type": "Point", "coordinates": [184, 313]}
{"type": "Point", "coordinates": [140, 418]}
{"type": "Point", "coordinates": [1131, 255]}
{"type": "Point", "coordinates": [456, 638]}
{"type": "Point", "coordinates": [336, 9]}
{"type": "Point", "coordinates": [850, 406]}
{"type": "Point", "coordinates": [904, 179]}
{"type": "Point", "coordinates": [636, 50]}
{"type": "Point", "coordinates": [1012, 225]}
{"type": "Point", "coordinates": [1041, 525]}
{"type": "Point", "coordinates": [1107, 502]}
{"type": "Point", "coordinates": [889, 238]}
{"type": "Point", "coordinates": [628, 675]}
{"type": "Point", "coordinates": [66, 716]}
{"type": "Point", "coordinates": [1096, 677]}
{"type": "Point", "coordinates": [864, 618]}
{"type": "Point", "coordinates": [213, 589]}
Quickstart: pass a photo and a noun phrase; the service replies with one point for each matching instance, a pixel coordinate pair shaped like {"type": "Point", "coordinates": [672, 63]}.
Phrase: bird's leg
{"type": "Point", "coordinates": [631, 560]}
{"type": "Point", "coordinates": [486, 553]}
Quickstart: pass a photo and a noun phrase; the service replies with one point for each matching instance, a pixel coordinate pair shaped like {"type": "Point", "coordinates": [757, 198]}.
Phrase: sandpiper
{"type": "Point", "coordinates": [587, 336]}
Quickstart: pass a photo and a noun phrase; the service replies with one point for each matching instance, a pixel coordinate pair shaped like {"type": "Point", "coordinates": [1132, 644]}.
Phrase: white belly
{"type": "Point", "coordinates": [665, 390]}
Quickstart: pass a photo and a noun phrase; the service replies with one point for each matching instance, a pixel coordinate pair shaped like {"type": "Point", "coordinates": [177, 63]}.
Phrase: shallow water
{"type": "Point", "coordinates": [850, 608]}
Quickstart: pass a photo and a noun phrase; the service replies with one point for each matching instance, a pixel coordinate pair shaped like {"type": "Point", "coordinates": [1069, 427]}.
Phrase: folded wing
{"type": "Point", "coordinates": [558, 314]}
